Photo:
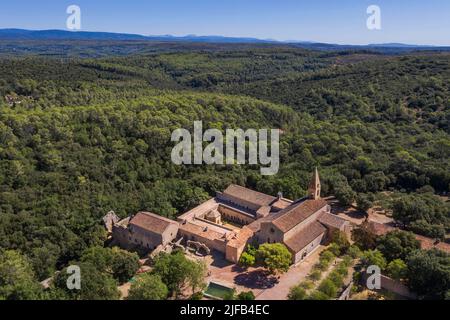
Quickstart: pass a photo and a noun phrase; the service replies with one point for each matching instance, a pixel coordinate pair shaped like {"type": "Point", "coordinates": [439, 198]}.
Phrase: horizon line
{"type": "Point", "coordinates": [268, 40]}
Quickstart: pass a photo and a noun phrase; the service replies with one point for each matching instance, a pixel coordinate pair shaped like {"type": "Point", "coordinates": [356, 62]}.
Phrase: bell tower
{"type": "Point", "coordinates": [314, 186]}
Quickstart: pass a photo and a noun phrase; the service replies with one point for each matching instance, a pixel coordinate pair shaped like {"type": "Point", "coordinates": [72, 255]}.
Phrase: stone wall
{"type": "Point", "coordinates": [345, 295]}
{"type": "Point", "coordinates": [216, 244]}
{"type": "Point", "coordinates": [393, 286]}
{"type": "Point", "coordinates": [308, 250]}
{"type": "Point", "coordinates": [133, 236]}
{"type": "Point", "coordinates": [396, 287]}
{"type": "Point", "coordinates": [233, 254]}
{"type": "Point", "coordinates": [121, 236]}
{"type": "Point", "coordinates": [269, 233]}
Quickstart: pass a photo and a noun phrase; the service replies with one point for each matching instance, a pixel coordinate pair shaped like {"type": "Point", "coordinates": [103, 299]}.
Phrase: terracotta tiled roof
{"type": "Point", "coordinates": [264, 211]}
{"type": "Point", "coordinates": [305, 236]}
{"type": "Point", "coordinates": [248, 195]}
{"type": "Point", "coordinates": [201, 231]}
{"type": "Point", "coordinates": [288, 218]}
{"type": "Point", "coordinates": [282, 204]}
{"type": "Point", "coordinates": [151, 222]}
{"type": "Point", "coordinates": [241, 238]}
{"type": "Point", "coordinates": [332, 220]}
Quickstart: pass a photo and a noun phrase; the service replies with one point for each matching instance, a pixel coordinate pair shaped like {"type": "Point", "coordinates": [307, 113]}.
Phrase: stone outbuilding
{"type": "Point", "coordinates": [145, 230]}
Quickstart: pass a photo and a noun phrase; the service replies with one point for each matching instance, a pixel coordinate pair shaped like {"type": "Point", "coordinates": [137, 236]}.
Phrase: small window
{"type": "Point", "coordinates": [272, 230]}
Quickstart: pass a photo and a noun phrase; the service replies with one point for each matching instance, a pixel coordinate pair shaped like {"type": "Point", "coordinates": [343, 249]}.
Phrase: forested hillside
{"type": "Point", "coordinates": [80, 137]}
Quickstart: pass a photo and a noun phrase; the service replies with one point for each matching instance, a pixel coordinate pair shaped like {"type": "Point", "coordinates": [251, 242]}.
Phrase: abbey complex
{"type": "Point", "coordinates": [234, 218]}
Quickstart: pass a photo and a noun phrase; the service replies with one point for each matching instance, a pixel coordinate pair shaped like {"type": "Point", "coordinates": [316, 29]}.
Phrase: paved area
{"type": "Point", "coordinates": [294, 276]}
{"type": "Point", "coordinates": [264, 286]}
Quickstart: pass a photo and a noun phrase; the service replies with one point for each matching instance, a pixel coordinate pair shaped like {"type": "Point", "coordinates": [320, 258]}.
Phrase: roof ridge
{"type": "Point", "coordinates": [154, 215]}
{"type": "Point", "coordinates": [254, 191]}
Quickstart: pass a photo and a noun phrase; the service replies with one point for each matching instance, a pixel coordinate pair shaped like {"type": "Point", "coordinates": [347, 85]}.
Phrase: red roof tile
{"type": "Point", "coordinates": [248, 195]}
{"type": "Point", "coordinates": [151, 222]}
{"type": "Point", "coordinates": [293, 215]}
{"type": "Point", "coordinates": [332, 220]}
{"type": "Point", "coordinates": [305, 236]}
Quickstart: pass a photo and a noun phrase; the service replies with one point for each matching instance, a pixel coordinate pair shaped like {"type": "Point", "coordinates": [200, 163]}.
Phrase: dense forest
{"type": "Point", "coordinates": [82, 136]}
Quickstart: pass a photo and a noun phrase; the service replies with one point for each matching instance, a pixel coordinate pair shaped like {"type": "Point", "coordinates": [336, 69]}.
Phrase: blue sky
{"type": "Point", "coordinates": [333, 21]}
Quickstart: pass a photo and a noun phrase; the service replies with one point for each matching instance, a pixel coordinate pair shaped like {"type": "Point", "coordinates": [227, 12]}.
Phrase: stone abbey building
{"type": "Point", "coordinates": [236, 217]}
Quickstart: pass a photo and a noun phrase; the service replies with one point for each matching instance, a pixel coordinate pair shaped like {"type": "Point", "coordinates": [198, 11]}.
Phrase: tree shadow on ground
{"type": "Point", "coordinates": [257, 279]}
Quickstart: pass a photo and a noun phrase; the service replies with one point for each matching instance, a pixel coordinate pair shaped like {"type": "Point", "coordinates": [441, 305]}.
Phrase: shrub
{"type": "Point", "coordinates": [247, 260]}
{"type": "Point", "coordinates": [373, 257]}
{"type": "Point", "coordinates": [335, 249]}
{"type": "Point", "coordinates": [307, 285]}
{"type": "Point", "coordinates": [297, 293]}
{"type": "Point", "coordinates": [197, 296]}
{"type": "Point", "coordinates": [354, 252]}
{"type": "Point", "coordinates": [318, 295]}
{"type": "Point", "coordinates": [315, 275]}
{"type": "Point", "coordinates": [342, 270]}
{"type": "Point", "coordinates": [322, 265]}
{"type": "Point", "coordinates": [337, 278]}
{"type": "Point", "coordinates": [328, 288]}
{"type": "Point", "coordinates": [252, 250]}
{"type": "Point", "coordinates": [436, 231]}
{"type": "Point", "coordinates": [230, 295]}
{"type": "Point", "coordinates": [339, 238]}
{"type": "Point", "coordinates": [347, 261]}
{"type": "Point", "coordinates": [247, 295]}
{"type": "Point", "coordinates": [397, 269]}
{"type": "Point", "coordinates": [327, 256]}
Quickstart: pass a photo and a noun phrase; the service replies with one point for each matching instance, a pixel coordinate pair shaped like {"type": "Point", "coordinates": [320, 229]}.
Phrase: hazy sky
{"type": "Point", "coordinates": [333, 21]}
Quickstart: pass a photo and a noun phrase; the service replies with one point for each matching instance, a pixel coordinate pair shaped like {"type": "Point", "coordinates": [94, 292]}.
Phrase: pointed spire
{"type": "Point", "coordinates": [314, 186]}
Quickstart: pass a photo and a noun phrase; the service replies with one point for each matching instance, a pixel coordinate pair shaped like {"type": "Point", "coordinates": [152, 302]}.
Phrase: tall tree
{"type": "Point", "coordinates": [275, 257]}
{"type": "Point", "coordinates": [429, 273]}
{"type": "Point", "coordinates": [95, 285]}
{"type": "Point", "coordinates": [148, 287]}
{"type": "Point", "coordinates": [177, 272]}
{"type": "Point", "coordinates": [17, 281]}
{"type": "Point", "coordinates": [397, 244]}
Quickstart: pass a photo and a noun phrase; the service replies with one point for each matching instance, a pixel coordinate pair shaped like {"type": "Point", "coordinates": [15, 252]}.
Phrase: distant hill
{"type": "Point", "coordinates": [21, 34]}
{"type": "Point", "coordinates": [52, 35]}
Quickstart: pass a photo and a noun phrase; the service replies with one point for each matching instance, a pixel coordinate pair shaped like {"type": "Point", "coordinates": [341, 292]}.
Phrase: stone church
{"type": "Point", "coordinates": [237, 217]}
